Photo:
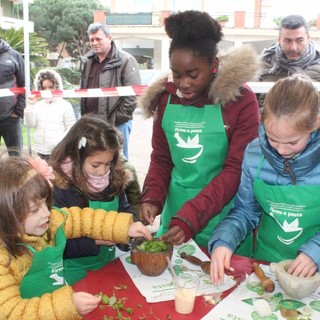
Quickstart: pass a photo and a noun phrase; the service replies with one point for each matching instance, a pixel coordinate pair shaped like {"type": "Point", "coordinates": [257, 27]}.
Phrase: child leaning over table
{"type": "Point", "coordinates": [33, 241]}
{"type": "Point", "coordinates": [280, 185]}
{"type": "Point", "coordinates": [90, 173]}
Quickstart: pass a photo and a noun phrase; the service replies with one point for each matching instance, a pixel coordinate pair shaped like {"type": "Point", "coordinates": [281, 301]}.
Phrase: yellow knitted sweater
{"type": "Point", "coordinates": [58, 305]}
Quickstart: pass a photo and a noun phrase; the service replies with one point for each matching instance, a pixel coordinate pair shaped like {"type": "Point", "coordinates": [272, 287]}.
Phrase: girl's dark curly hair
{"type": "Point", "coordinates": [196, 31]}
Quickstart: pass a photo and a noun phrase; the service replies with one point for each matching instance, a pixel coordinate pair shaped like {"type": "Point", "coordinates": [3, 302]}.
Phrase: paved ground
{"type": "Point", "coordinates": [140, 149]}
{"type": "Point", "coordinates": [140, 144]}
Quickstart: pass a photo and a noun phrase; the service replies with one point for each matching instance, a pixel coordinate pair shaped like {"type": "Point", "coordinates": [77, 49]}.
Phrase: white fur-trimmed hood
{"type": "Point", "coordinates": [49, 74]}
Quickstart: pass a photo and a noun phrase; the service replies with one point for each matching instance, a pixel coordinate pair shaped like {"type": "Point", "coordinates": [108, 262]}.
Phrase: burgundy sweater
{"type": "Point", "coordinates": [241, 120]}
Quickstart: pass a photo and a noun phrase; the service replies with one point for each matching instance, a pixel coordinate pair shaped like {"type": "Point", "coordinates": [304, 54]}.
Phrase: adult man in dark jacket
{"type": "Point", "coordinates": [11, 107]}
{"type": "Point", "coordinates": [293, 53]}
{"type": "Point", "coordinates": [106, 66]}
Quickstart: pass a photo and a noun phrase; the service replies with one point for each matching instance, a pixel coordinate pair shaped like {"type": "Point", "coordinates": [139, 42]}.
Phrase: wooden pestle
{"type": "Point", "coordinates": [205, 265]}
{"type": "Point", "coordinates": [266, 282]}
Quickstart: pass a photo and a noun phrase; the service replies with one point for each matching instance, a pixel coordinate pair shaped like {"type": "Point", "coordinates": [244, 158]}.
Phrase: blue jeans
{"type": "Point", "coordinates": [125, 129]}
{"type": "Point", "coordinates": [11, 132]}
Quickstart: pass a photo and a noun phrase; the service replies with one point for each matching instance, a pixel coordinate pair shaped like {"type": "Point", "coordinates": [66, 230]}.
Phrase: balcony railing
{"type": "Point", "coordinates": [129, 18]}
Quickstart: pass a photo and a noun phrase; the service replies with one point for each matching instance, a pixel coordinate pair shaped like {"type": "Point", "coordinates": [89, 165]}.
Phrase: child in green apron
{"type": "Point", "coordinates": [91, 173]}
{"type": "Point", "coordinates": [203, 119]}
{"type": "Point", "coordinates": [280, 185]}
{"type": "Point", "coordinates": [33, 242]}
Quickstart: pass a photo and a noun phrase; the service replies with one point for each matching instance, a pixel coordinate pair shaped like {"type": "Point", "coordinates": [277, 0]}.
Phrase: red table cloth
{"type": "Point", "coordinates": [113, 275]}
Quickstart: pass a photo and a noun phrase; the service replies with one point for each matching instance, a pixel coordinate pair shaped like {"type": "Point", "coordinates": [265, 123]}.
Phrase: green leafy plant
{"type": "Point", "coordinates": [153, 245]}
{"type": "Point", "coordinates": [117, 305]}
{"type": "Point", "coordinates": [223, 18]}
{"type": "Point", "coordinates": [38, 46]}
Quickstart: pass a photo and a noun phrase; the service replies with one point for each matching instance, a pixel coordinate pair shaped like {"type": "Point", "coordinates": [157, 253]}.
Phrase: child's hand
{"type": "Point", "coordinates": [147, 213]}
{"type": "Point", "coordinates": [32, 99]}
{"type": "Point", "coordinates": [174, 236]}
{"type": "Point", "coordinates": [220, 260]}
{"type": "Point", "coordinates": [303, 266]}
{"type": "Point", "coordinates": [85, 302]}
{"type": "Point", "coordinates": [137, 229]}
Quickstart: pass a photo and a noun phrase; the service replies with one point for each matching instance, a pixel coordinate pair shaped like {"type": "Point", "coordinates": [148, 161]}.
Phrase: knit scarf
{"type": "Point", "coordinates": [279, 61]}
{"type": "Point", "coordinates": [94, 183]}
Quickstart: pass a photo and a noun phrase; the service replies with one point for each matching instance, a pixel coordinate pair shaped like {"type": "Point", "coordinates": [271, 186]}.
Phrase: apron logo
{"type": "Point", "coordinates": [59, 280]}
{"type": "Point", "coordinates": [192, 146]}
{"type": "Point", "coordinates": [292, 229]}
{"type": "Point", "coordinates": [56, 268]}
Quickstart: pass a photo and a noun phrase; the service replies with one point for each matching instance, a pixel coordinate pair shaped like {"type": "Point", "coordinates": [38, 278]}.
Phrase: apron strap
{"type": "Point", "coordinates": [259, 166]}
{"type": "Point", "coordinates": [62, 211]}
{"type": "Point", "coordinates": [32, 249]}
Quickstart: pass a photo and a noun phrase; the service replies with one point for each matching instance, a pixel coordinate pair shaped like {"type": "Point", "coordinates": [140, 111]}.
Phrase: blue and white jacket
{"type": "Point", "coordinates": [246, 212]}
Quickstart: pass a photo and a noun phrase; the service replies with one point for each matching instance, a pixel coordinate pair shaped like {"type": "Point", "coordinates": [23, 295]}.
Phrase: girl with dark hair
{"type": "Point", "coordinates": [204, 116]}
{"type": "Point", "coordinates": [90, 173]}
{"type": "Point", "coordinates": [33, 239]}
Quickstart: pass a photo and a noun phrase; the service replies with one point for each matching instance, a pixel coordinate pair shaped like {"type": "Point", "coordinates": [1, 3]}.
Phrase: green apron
{"type": "Point", "coordinates": [290, 218]}
{"type": "Point", "coordinates": [76, 268]}
{"type": "Point", "coordinates": [198, 146]}
{"type": "Point", "coordinates": [46, 272]}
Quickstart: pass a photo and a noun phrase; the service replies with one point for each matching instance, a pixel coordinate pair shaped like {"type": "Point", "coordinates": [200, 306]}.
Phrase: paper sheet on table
{"type": "Point", "coordinates": [156, 289]}
{"type": "Point", "coordinates": [238, 304]}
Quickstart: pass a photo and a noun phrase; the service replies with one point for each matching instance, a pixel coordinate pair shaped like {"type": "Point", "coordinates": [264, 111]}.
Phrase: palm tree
{"type": "Point", "coordinates": [37, 54]}
{"type": "Point", "coordinates": [38, 46]}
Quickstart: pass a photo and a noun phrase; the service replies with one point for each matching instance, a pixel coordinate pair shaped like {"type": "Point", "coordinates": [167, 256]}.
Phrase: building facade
{"type": "Point", "coordinates": [137, 25]}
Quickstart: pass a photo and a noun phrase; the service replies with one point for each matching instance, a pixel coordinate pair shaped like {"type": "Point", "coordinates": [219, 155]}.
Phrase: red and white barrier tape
{"type": "Point", "coordinates": [79, 93]}
{"type": "Point", "coordinates": [137, 90]}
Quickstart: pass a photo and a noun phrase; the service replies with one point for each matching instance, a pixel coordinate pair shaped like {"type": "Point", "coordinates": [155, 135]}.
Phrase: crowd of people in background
{"type": "Point", "coordinates": [223, 160]}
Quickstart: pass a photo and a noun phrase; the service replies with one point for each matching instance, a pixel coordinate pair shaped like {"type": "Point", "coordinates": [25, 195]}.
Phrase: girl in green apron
{"type": "Point", "coordinates": [203, 119]}
{"type": "Point", "coordinates": [280, 184]}
{"type": "Point", "coordinates": [31, 250]}
{"type": "Point", "coordinates": [33, 239]}
{"type": "Point", "coordinates": [90, 173]}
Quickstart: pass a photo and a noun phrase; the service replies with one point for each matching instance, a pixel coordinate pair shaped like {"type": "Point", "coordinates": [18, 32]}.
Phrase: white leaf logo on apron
{"type": "Point", "coordinates": [287, 227]}
{"type": "Point", "coordinates": [59, 280]}
{"type": "Point", "coordinates": [191, 144]}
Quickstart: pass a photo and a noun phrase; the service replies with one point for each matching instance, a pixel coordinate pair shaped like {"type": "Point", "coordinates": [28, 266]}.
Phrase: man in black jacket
{"type": "Point", "coordinates": [11, 107]}
{"type": "Point", "coordinates": [106, 66]}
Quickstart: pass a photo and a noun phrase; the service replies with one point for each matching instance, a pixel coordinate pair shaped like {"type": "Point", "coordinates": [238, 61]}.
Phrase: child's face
{"type": "Point", "coordinates": [47, 85]}
{"type": "Point", "coordinates": [36, 223]}
{"type": "Point", "coordinates": [285, 139]}
{"type": "Point", "coordinates": [98, 164]}
{"type": "Point", "coordinates": [191, 74]}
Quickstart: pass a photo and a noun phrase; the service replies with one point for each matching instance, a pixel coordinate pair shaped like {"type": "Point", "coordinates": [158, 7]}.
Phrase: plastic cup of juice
{"type": "Point", "coordinates": [185, 294]}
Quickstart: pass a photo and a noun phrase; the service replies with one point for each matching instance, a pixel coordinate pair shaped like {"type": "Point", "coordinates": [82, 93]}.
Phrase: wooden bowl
{"type": "Point", "coordinates": [151, 264]}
